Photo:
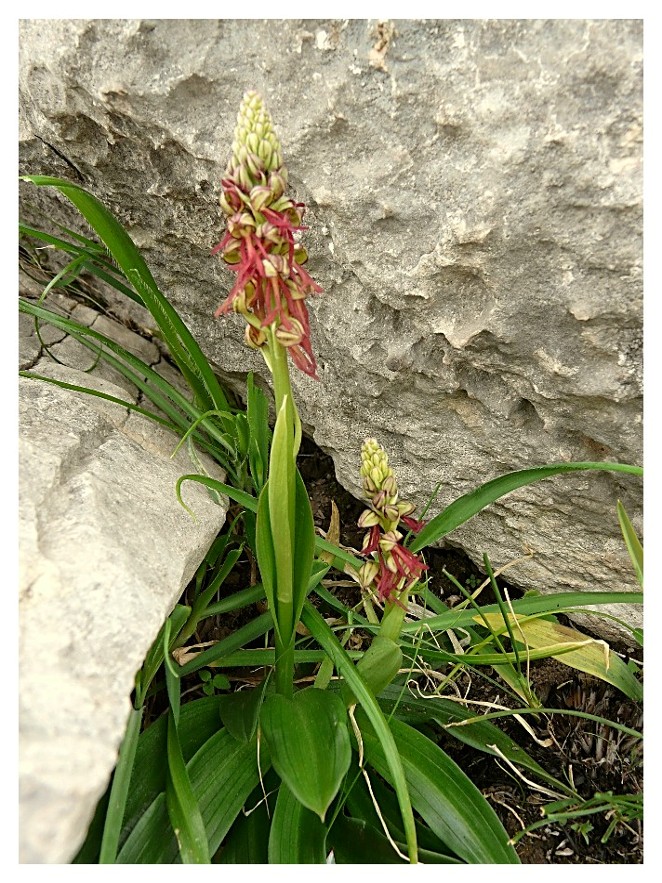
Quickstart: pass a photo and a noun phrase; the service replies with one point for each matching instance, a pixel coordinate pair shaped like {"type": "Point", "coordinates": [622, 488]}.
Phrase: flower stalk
{"type": "Point", "coordinates": [261, 246]}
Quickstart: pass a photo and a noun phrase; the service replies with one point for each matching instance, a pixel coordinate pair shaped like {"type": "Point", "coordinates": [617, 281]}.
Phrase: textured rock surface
{"type": "Point", "coordinates": [105, 551]}
{"type": "Point", "coordinates": [474, 192]}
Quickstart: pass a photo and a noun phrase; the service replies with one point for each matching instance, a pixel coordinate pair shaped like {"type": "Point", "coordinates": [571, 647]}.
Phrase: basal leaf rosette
{"type": "Point", "coordinates": [261, 241]}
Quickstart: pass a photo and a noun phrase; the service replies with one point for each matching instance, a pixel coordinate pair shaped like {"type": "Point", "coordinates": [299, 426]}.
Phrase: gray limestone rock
{"type": "Point", "coordinates": [105, 552]}
{"type": "Point", "coordinates": [474, 193]}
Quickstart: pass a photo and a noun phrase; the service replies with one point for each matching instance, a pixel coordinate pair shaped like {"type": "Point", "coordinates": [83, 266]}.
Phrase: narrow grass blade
{"type": "Point", "coordinates": [634, 547]}
{"type": "Point", "coordinates": [572, 648]}
{"type": "Point", "coordinates": [183, 809]}
{"type": "Point", "coordinates": [182, 806]}
{"type": "Point", "coordinates": [120, 789]}
{"type": "Point", "coordinates": [468, 505]}
{"type": "Point", "coordinates": [183, 346]}
{"type": "Point", "coordinates": [297, 835]}
{"type": "Point", "coordinates": [562, 602]}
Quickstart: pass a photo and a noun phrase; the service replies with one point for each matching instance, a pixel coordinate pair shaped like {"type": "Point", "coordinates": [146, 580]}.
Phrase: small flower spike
{"type": "Point", "coordinates": [260, 243]}
{"type": "Point", "coordinates": [392, 569]}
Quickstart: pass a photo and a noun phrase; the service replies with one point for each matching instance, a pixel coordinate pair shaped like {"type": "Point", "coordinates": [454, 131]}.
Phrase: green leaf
{"type": "Point", "coordinates": [247, 842]}
{"type": "Point", "coordinates": [634, 547]}
{"type": "Point", "coordinates": [183, 809]}
{"type": "Point", "coordinates": [257, 413]}
{"type": "Point", "coordinates": [345, 667]}
{"type": "Point", "coordinates": [481, 735]}
{"type": "Point", "coordinates": [587, 654]}
{"type": "Point", "coordinates": [355, 842]}
{"type": "Point", "coordinates": [557, 603]}
{"type": "Point", "coordinates": [378, 666]}
{"type": "Point", "coordinates": [181, 343]}
{"type": "Point", "coordinates": [198, 722]}
{"type": "Point", "coordinates": [468, 505]}
{"type": "Point", "coordinates": [281, 491]}
{"type": "Point", "coordinates": [264, 547]}
{"type": "Point", "coordinates": [240, 711]}
{"type": "Point", "coordinates": [120, 789]}
{"type": "Point", "coordinates": [443, 795]}
{"type": "Point", "coordinates": [223, 773]}
{"type": "Point", "coordinates": [304, 546]}
{"type": "Point", "coordinates": [309, 744]}
{"type": "Point", "coordinates": [297, 836]}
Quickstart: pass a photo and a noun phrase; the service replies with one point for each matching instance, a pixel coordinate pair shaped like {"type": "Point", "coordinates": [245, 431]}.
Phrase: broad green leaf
{"type": "Point", "coordinates": [297, 836]}
{"type": "Point", "coordinates": [223, 773]}
{"type": "Point", "coordinates": [468, 505]}
{"type": "Point", "coordinates": [634, 547]}
{"type": "Point", "coordinates": [240, 711]}
{"type": "Point", "coordinates": [198, 722]}
{"type": "Point", "coordinates": [481, 735]}
{"type": "Point", "coordinates": [266, 559]}
{"type": "Point", "coordinates": [589, 655]}
{"type": "Point", "coordinates": [355, 842]}
{"type": "Point", "coordinates": [443, 795]}
{"type": "Point", "coordinates": [309, 744]}
{"type": "Point", "coordinates": [247, 842]}
{"type": "Point", "coordinates": [312, 619]}
{"type": "Point", "coordinates": [281, 499]}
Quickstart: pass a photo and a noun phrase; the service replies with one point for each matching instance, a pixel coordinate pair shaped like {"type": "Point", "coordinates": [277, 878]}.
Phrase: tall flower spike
{"type": "Point", "coordinates": [260, 243]}
{"type": "Point", "coordinates": [392, 570]}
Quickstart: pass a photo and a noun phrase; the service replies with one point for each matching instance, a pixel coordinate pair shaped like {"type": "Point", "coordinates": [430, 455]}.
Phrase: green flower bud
{"type": "Point", "coordinates": [292, 335]}
{"type": "Point", "coordinates": [367, 574]}
{"type": "Point", "coordinates": [368, 518]}
{"type": "Point", "coordinates": [254, 337]}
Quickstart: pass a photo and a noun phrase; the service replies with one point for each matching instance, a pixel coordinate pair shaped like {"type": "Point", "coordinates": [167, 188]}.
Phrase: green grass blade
{"type": "Point", "coordinates": [562, 602]}
{"type": "Point", "coordinates": [345, 667]}
{"type": "Point", "coordinates": [634, 547]}
{"type": "Point", "coordinates": [183, 346]}
{"type": "Point", "coordinates": [183, 809]}
{"type": "Point", "coordinates": [120, 789]}
{"type": "Point", "coordinates": [165, 396]}
{"type": "Point", "coordinates": [468, 505]}
{"type": "Point", "coordinates": [253, 629]}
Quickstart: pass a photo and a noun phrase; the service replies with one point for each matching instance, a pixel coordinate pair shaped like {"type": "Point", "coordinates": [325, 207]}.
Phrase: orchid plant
{"type": "Point", "coordinates": [289, 777]}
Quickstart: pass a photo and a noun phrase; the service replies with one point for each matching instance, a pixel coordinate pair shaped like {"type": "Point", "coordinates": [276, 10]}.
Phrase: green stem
{"type": "Point", "coordinates": [282, 386]}
{"type": "Point", "coordinates": [282, 464]}
{"type": "Point", "coordinates": [284, 668]}
{"type": "Point", "coordinates": [393, 619]}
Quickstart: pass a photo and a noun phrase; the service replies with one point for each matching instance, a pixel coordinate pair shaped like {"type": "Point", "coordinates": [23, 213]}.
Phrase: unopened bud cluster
{"type": "Point", "coordinates": [392, 568]}
{"type": "Point", "coordinates": [260, 244]}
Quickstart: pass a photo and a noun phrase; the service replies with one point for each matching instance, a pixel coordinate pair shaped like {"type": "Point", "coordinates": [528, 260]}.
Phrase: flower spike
{"type": "Point", "coordinates": [392, 569]}
{"type": "Point", "coordinates": [260, 244]}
